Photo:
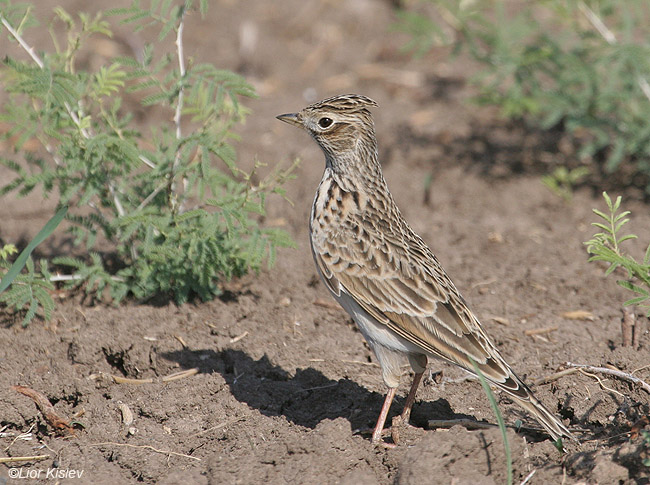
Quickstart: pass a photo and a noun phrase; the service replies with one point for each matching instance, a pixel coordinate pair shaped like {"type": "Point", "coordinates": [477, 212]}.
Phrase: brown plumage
{"type": "Point", "coordinates": [383, 274]}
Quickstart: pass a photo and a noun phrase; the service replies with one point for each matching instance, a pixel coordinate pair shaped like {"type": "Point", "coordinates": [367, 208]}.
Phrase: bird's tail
{"type": "Point", "coordinates": [545, 417]}
{"type": "Point", "coordinates": [496, 370]}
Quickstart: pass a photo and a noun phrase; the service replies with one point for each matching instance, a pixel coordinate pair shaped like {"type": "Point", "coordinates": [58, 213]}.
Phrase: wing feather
{"type": "Point", "coordinates": [395, 278]}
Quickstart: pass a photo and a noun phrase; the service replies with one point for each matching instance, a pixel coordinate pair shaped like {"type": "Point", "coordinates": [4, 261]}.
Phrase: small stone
{"type": "Point", "coordinates": [495, 237]}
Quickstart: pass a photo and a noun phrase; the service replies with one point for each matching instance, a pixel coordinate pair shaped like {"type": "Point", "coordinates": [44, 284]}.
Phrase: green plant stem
{"type": "Point", "coordinates": [176, 198]}
{"type": "Point", "coordinates": [43, 234]}
{"type": "Point", "coordinates": [609, 36]}
{"type": "Point", "coordinates": [14, 33]}
{"type": "Point", "coordinates": [500, 421]}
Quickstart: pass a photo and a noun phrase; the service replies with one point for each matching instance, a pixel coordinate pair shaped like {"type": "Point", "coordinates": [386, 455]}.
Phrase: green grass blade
{"type": "Point", "coordinates": [44, 233]}
{"type": "Point", "coordinates": [497, 412]}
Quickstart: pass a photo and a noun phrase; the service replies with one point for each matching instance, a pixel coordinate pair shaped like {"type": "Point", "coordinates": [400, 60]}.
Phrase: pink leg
{"type": "Point", "coordinates": [410, 399]}
{"type": "Point", "coordinates": [376, 435]}
{"type": "Point", "coordinates": [406, 413]}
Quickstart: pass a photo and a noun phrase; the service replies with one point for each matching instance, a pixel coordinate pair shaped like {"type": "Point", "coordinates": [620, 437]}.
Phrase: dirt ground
{"type": "Point", "coordinates": [285, 384]}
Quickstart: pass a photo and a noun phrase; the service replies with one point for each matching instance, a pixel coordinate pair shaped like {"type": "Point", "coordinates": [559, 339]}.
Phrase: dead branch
{"type": "Point", "coordinates": [540, 331]}
{"type": "Point", "coordinates": [554, 377]}
{"type": "Point", "coordinates": [466, 423]}
{"type": "Point", "coordinates": [47, 410]}
{"type": "Point", "coordinates": [145, 447]}
{"type": "Point", "coordinates": [627, 327]}
{"type": "Point", "coordinates": [127, 380]}
{"type": "Point", "coordinates": [578, 315]}
{"type": "Point", "coordinates": [330, 305]}
{"type": "Point", "coordinates": [639, 327]}
{"type": "Point", "coordinates": [612, 372]}
{"type": "Point", "coordinates": [14, 459]}
{"type": "Point", "coordinates": [600, 382]}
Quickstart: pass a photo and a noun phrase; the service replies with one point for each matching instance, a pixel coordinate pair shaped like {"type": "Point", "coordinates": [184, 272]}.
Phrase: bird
{"type": "Point", "coordinates": [384, 275]}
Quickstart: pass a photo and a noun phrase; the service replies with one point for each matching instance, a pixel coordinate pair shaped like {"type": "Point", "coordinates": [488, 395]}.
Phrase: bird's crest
{"type": "Point", "coordinates": [344, 102]}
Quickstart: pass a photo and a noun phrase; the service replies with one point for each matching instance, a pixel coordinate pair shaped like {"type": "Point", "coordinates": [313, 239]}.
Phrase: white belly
{"type": "Point", "coordinates": [390, 349]}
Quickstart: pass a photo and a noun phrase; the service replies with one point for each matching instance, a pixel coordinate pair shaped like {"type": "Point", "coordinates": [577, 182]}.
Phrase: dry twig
{"type": "Point", "coordinates": [638, 331]}
{"type": "Point", "coordinates": [334, 384]}
{"type": "Point", "coordinates": [627, 328]}
{"type": "Point", "coordinates": [528, 477]}
{"type": "Point", "coordinates": [47, 410]}
{"type": "Point", "coordinates": [640, 369]}
{"type": "Point", "coordinates": [360, 362]}
{"type": "Point", "coordinates": [470, 425]}
{"type": "Point", "coordinates": [145, 447]}
{"type": "Point", "coordinates": [169, 378]}
{"type": "Point", "coordinates": [27, 435]}
{"type": "Point", "coordinates": [600, 382]}
{"type": "Point", "coordinates": [327, 304]}
{"type": "Point", "coordinates": [554, 377]}
{"type": "Point", "coordinates": [238, 337]}
{"type": "Point", "coordinates": [465, 423]}
{"type": "Point", "coordinates": [15, 459]}
{"type": "Point", "coordinates": [540, 331]}
{"type": "Point", "coordinates": [578, 315]}
{"type": "Point", "coordinates": [612, 372]}
{"type": "Point", "coordinates": [584, 368]}
{"type": "Point", "coordinates": [501, 321]}
{"type": "Point", "coordinates": [180, 375]}
{"type": "Point", "coordinates": [220, 425]}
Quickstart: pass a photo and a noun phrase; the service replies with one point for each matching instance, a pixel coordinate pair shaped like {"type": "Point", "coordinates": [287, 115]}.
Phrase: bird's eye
{"type": "Point", "coordinates": [325, 122]}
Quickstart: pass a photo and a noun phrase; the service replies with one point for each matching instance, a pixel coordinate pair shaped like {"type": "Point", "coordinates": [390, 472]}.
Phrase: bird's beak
{"type": "Point", "coordinates": [291, 118]}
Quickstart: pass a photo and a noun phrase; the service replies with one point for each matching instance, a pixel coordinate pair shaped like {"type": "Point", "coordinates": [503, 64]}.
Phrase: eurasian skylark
{"type": "Point", "coordinates": [383, 274]}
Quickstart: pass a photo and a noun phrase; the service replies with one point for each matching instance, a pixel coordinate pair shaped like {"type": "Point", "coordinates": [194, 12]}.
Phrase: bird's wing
{"type": "Point", "coordinates": [394, 277]}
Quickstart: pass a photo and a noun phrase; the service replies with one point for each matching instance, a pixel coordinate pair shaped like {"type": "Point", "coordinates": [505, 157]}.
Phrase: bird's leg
{"type": "Point", "coordinates": [408, 405]}
{"type": "Point", "coordinates": [376, 434]}
{"type": "Point", "coordinates": [410, 399]}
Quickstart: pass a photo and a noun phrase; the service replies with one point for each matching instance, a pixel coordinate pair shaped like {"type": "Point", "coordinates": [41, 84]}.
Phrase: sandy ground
{"type": "Point", "coordinates": [285, 384]}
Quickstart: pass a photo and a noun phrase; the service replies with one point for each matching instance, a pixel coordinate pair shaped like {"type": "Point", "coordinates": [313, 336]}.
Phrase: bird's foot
{"type": "Point", "coordinates": [383, 444]}
{"type": "Point", "coordinates": [378, 440]}
{"type": "Point", "coordinates": [396, 424]}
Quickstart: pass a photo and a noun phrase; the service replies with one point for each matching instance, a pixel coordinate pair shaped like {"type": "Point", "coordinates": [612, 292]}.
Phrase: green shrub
{"type": "Point", "coordinates": [16, 289]}
{"type": "Point", "coordinates": [579, 65]}
{"type": "Point", "coordinates": [606, 246]}
{"type": "Point", "coordinates": [168, 204]}
{"type": "Point", "coordinates": [562, 180]}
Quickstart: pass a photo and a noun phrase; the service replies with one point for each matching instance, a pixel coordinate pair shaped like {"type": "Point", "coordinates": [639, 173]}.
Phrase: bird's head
{"type": "Point", "coordinates": [341, 125]}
